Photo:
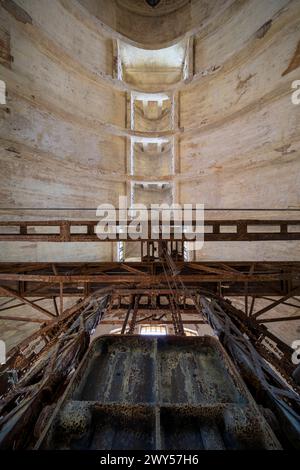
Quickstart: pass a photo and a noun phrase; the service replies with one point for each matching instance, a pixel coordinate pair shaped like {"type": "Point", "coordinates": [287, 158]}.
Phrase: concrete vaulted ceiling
{"type": "Point", "coordinates": [225, 131]}
{"type": "Point", "coordinates": [158, 26]}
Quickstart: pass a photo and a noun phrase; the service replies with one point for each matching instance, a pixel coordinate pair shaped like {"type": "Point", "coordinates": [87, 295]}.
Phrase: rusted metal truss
{"type": "Point", "coordinates": [43, 365]}
{"type": "Point", "coordinates": [129, 307]}
{"type": "Point", "coordinates": [61, 340]}
{"type": "Point", "coordinates": [38, 369]}
{"type": "Point", "coordinates": [81, 279]}
{"type": "Point", "coordinates": [85, 231]}
{"type": "Point", "coordinates": [253, 361]}
{"type": "Point", "coordinates": [165, 291]}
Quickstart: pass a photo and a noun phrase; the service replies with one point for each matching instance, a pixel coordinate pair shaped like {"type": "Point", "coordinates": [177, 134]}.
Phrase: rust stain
{"type": "Point", "coordinates": [262, 31]}
{"type": "Point", "coordinates": [5, 57]}
{"type": "Point", "coordinates": [295, 62]}
{"type": "Point", "coordinates": [124, 382]}
{"type": "Point", "coordinates": [242, 86]}
{"type": "Point", "coordinates": [16, 11]}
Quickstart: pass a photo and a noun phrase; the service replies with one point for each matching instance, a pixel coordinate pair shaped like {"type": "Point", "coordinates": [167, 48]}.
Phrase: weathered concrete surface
{"type": "Point", "coordinates": [64, 114]}
{"type": "Point", "coordinates": [60, 115]}
{"type": "Point", "coordinates": [154, 27]}
{"type": "Point", "coordinates": [241, 131]}
{"type": "Point", "coordinates": [13, 332]}
{"type": "Point", "coordinates": [65, 129]}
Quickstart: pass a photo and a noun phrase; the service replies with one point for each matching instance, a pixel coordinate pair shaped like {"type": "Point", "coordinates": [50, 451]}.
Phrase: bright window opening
{"type": "Point", "coordinates": [153, 330]}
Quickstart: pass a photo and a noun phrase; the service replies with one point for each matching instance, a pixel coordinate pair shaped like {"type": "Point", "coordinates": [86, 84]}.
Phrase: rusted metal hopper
{"type": "Point", "coordinates": [137, 392]}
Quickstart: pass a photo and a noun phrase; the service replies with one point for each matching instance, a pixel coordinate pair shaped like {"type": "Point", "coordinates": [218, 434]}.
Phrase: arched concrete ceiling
{"type": "Point", "coordinates": [155, 27]}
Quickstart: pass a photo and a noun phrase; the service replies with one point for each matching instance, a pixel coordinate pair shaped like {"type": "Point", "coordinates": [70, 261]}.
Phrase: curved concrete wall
{"type": "Point", "coordinates": [66, 127]}
{"type": "Point", "coordinates": [61, 131]}
{"type": "Point", "coordinates": [240, 145]}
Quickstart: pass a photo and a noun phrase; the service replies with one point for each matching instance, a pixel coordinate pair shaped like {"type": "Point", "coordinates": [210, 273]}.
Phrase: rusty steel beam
{"type": "Point", "coordinates": [283, 303]}
{"type": "Point", "coordinates": [220, 230]}
{"type": "Point", "coordinates": [55, 306]}
{"type": "Point", "coordinates": [133, 316]}
{"type": "Point", "coordinates": [127, 316]}
{"type": "Point", "coordinates": [266, 279]}
{"type": "Point", "coordinates": [54, 327]}
{"type": "Point", "coordinates": [23, 303]}
{"type": "Point", "coordinates": [276, 303]}
{"type": "Point", "coordinates": [144, 278]}
{"type": "Point", "coordinates": [24, 319]}
{"type": "Point", "coordinates": [155, 322]}
{"type": "Point", "coordinates": [252, 306]}
{"type": "Point", "coordinates": [10, 293]}
{"type": "Point", "coordinates": [278, 319]}
{"type": "Point", "coordinates": [233, 291]}
{"type": "Point", "coordinates": [214, 267]}
{"type": "Point", "coordinates": [162, 308]}
{"type": "Point", "coordinates": [61, 298]}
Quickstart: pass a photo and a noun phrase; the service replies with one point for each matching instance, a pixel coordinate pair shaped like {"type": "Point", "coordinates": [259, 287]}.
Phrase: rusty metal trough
{"type": "Point", "coordinates": [139, 392]}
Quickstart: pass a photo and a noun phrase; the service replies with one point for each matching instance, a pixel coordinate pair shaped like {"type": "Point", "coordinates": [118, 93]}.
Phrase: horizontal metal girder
{"type": "Point", "coordinates": [215, 230]}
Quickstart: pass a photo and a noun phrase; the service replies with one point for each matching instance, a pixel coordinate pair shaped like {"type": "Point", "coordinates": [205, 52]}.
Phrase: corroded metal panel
{"type": "Point", "coordinates": [170, 392]}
